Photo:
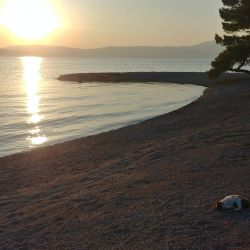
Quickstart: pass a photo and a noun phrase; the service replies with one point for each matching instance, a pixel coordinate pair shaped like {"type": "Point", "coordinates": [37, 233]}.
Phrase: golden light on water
{"type": "Point", "coordinates": [31, 78]}
{"type": "Point", "coordinates": [39, 140]}
{"type": "Point", "coordinates": [29, 19]}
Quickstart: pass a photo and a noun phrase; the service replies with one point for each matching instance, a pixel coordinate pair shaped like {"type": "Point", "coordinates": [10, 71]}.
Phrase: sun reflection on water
{"type": "Point", "coordinates": [31, 78]}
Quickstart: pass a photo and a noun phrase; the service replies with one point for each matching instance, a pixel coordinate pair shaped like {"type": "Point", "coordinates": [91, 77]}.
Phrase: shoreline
{"type": "Point", "coordinates": [183, 78]}
{"type": "Point", "coordinates": [51, 144]}
{"type": "Point", "coordinates": [149, 185]}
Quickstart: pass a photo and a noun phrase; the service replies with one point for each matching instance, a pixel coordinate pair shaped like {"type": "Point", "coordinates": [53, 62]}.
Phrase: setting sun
{"type": "Point", "coordinates": [29, 19]}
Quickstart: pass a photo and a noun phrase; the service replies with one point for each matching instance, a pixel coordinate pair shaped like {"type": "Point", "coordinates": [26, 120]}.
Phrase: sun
{"type": "Point", "coordinates": [29, 19]}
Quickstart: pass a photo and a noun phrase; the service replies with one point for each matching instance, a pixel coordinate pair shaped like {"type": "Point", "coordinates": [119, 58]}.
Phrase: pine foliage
{"type": "Point", "coordinates": [236, 24]}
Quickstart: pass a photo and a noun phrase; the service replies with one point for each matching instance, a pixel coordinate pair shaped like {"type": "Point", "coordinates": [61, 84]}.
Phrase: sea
{"type": "Point", "coordinates": [37, 110]}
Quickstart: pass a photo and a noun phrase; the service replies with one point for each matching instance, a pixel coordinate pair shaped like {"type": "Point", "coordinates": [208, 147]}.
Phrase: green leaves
{"type": "Point", "coordinates": [236, 18]}
{"type": "Point", "coordinates": [230, 2]}
{"type": "Point", "coordinates": [236, 23]}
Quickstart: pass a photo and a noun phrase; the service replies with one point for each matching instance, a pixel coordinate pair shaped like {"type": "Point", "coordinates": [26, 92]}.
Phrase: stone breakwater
{"type": "Point", "coordinates": [173, 77]}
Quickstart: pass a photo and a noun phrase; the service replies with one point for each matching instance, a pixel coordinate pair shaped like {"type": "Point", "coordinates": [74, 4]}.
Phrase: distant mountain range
{"type": "Point", "coordinates": [202, 50]}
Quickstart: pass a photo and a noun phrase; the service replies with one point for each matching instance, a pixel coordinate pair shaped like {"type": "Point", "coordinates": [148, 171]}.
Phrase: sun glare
{"type": "Point", "coordinates": [31, 78]}
{"type": "Point", "coordinates": [29, 19]}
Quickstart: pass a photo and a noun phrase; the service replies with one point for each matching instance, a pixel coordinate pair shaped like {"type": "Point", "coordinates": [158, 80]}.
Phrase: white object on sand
{"type": "Point", "coordinates": [232, 202]}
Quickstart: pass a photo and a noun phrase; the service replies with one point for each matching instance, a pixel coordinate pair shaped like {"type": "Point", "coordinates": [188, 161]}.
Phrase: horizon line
{"type": "Point", "coordinates": [109, 46]}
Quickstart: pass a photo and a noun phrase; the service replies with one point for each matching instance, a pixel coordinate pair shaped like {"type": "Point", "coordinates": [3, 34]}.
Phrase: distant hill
{"type": "Point", "coordinates": [203, 50]}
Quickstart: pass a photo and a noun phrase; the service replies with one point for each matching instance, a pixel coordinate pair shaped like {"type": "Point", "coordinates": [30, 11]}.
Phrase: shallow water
{"type": "Point", "coordinates": [37, 110]}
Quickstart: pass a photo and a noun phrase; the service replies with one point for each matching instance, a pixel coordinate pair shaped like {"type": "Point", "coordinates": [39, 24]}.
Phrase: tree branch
{"type": "Point", "coordinates": [240, 71]}
{"type": "Point", "coordinates": [241, 65]}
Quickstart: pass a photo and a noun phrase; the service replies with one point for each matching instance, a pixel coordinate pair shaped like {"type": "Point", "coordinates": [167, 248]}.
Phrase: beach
{"type": "Point", "coordinates": [152, 185]}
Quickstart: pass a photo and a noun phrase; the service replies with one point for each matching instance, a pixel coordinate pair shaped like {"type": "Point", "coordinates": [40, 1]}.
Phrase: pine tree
{"type": "Point", "coordinates": [236, 24]}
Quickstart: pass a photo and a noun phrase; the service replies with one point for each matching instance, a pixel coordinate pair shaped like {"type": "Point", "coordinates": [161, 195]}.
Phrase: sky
{"type": "Point", "coordinates": [100, 23]}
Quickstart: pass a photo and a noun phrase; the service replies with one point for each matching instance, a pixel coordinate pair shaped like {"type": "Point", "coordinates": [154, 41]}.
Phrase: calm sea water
{"type": "Point", "coordinates": [37, 110]}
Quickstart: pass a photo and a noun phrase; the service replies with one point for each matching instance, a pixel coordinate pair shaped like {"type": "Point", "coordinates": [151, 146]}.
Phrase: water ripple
{"type": "Point", "coordinates": [38, 110]}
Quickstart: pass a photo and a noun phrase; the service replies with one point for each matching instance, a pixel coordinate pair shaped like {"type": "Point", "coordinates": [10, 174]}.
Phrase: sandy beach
{"type": "Point", "coordinates": [153, 185]}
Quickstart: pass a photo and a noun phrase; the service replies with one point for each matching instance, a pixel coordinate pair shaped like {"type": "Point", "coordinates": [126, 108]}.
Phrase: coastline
{"type": "Point", "coordinates": [149, 185]}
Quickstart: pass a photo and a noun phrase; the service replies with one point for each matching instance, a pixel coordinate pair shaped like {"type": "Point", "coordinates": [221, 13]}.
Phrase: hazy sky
{"type": "Point", "coordinates": [97, 23]}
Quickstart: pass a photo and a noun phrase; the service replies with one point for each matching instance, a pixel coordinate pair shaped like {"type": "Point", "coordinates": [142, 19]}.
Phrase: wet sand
{"type": "Point", "coordinates": [147, 186]}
